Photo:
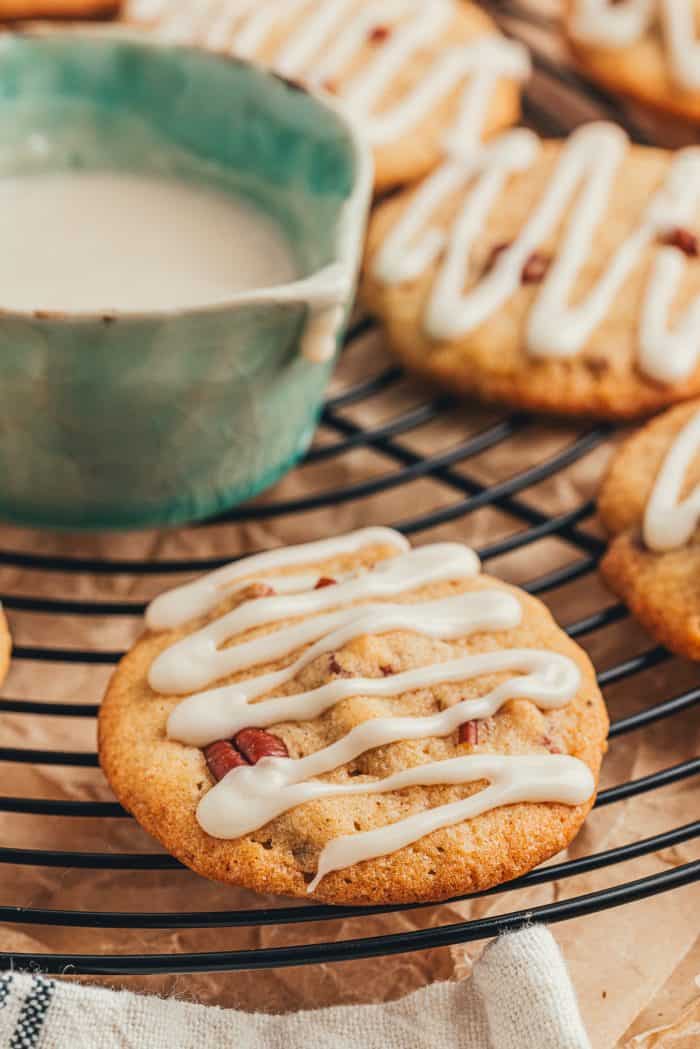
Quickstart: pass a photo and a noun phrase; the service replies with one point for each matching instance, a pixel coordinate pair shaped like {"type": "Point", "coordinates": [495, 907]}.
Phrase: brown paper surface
{"type": "Point", "coordinates": [635, 968]}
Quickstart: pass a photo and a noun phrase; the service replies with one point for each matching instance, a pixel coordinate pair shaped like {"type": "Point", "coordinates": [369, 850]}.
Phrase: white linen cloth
{"type": "Point", "coordinates": [519, 997]}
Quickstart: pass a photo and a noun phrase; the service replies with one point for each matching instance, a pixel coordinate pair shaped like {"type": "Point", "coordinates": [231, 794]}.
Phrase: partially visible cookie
{"type": "Point", "coordinates": [25, 10]}
{"type": "Point", "coordinates": [415, 75]}
{"type": "Point", "coordinates": [555, 275]}
{"type": "Point", "coordinates": [5, 646]}
{"type": "Point", "coordinates": [354, 718]}
{"type": "Point", "coordinates": [648, 51]}
{"type": "Point", "coordinates": [650, 505]}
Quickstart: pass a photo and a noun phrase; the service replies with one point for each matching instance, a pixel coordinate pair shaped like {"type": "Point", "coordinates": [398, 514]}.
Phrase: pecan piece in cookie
{"type": "Point", "coordinates": [682, 239]}
{"type": "Point", "coordinates": [379, 34]}
{"type": "Point", "coordinates": [334, 667]}
{"type": "Point", "coordinates": [469, 733]}
{"type": "Point", "coordinates": [221, 757]}
{"type": "Point", "coordinates": [535, 269]}
{"type": "Point", "coordinates": [257, 743]}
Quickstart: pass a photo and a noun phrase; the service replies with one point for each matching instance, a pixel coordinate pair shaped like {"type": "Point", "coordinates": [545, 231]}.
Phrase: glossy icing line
{"type": "Point", "coordinates": [622, 24]}
{"type": "Point", "coordinates": [205, 717]}
{"type": "Point", "coordinates": [554, 778]}
{"type": "Point", "coordinates": [670, 522]}
{"type": "Point", "coordinates": [248, 798]}
{"type": "Point", "coordinates": [178, 606]}
{"type": "Point", "coordinates": [333, 33]}
{"type": "Point", "coordinates": [196, 661]}
{"type": "Point", "coordinates": [589, 163]}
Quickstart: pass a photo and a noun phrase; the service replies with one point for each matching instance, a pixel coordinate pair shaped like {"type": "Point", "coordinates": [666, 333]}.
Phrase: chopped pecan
{"type": "Point", "coordinates": [682, 239]}
{"type": "Point", "coordinates": [335, 667]}
{"type": "Point", "coordinates": [246, 748]}
{"type": "Point", "coordinates": [469, 733]}
{"type": "Point", "coordinates": [535, 269]}
{"type": "Point", "coordinates": [325, 580]}
{"type": "Point", "coordinates": [379, 33]}
{"type": "Point", "coordinates": [221, 757]}
{"type": "Point", "coordinates": [387, 671]}
{"type": "Point", "coordinates": [257, 743]}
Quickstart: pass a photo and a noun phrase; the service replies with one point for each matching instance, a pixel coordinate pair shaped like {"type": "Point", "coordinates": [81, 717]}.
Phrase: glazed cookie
{"type": "Point", "coordinates": [650, 504]}
{"type": "Point", "coordinates": [647, 49]}
{"type": "Point", "coordinates": [562, 276]}
{"type": "Point", "coordinates": [417, 76]}
{"type": "Point", "coordinates": [357, 720]}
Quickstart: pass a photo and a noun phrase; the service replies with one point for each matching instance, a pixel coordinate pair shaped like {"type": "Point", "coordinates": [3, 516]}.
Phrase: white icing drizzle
{"type": "Point", "coordinates": [589, 160]}
{"type": "Point", "coordinates": [330, 36]}
{"type": "Point", "coordinates": [670, 522]}
{"type": "Point", "coordinates": [196, 661]}
{"type": "Point", "coordinates": [555, 778]}
{"type": "Point", "coordinates": [621, 25]}
{"type": "Point", "coordinates": [249, 797]}
{"type": "Point", "coordinates": [176, 607]}
{"type": "Point", "coordinates": [205, 717]}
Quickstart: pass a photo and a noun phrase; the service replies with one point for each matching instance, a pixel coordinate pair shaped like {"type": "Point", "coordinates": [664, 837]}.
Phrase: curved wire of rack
{"type": "Point", "coordinates": [405, 465]}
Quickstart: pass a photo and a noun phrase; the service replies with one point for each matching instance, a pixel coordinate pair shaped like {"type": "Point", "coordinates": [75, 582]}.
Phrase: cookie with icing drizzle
{"type": "Point", "coordinates": [357, 720]}
{"type": "Point", "coordinates": [650, 504]}
{"type": "Point", "coordinates": [555, 275]}
{"type": "Point", "coordinates": [646, 49]}
{"type": "Point", "coordinates": [416, 76]}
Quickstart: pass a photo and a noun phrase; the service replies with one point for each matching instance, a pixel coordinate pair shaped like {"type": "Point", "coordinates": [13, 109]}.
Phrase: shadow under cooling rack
{"type": "Point", "coordinates": [390, 441]}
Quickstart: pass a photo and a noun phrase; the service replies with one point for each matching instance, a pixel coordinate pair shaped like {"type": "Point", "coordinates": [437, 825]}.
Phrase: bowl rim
{"type": "Point", "coordinates": [331, 284]}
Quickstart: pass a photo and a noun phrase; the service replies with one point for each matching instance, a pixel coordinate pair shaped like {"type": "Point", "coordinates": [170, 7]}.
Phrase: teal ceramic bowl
{"type": "Point", "coordinates": [124, 420]}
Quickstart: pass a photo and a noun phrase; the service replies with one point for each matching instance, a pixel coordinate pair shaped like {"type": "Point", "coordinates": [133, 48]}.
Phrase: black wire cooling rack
{"type": "Point", "coordinates": [390, 441]}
